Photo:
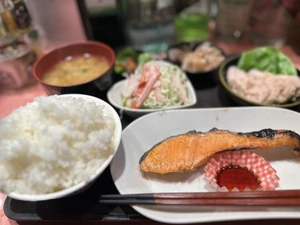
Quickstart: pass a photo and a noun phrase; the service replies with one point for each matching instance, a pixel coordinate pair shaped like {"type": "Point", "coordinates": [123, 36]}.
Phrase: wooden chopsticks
{"type": "Point", "coordinates": [248, 198]}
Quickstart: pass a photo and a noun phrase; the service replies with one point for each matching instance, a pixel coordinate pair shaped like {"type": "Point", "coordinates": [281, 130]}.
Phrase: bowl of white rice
{"type": "Point", "coordinates": [56, 146]}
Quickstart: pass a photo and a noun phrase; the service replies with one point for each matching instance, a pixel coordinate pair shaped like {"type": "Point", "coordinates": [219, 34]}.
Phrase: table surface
{"type": "Point", "coordinates": [14, 99]}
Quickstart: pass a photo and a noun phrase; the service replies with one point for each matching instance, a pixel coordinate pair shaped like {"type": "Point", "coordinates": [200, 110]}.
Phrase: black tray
{"type": "Point", "coordinates": [85, 206]}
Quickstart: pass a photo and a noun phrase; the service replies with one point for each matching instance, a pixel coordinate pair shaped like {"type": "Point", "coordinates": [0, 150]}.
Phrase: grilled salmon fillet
{"type": "Point", "coordinates": [186, 152]}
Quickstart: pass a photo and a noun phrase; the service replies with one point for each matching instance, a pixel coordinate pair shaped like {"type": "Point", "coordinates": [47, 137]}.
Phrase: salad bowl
{"type": "Point", "coordinates": [116, 98]}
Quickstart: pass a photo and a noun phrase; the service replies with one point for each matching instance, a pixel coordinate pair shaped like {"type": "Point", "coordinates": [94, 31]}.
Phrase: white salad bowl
{"type": "Point", "coordinates": [108, 111]}
{"type": "Point", "coordinates": [114, 96]}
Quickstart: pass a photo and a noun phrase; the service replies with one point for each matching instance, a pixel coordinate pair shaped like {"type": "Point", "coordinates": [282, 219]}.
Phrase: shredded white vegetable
{"type": "Point", "coordinates": [169, 90]}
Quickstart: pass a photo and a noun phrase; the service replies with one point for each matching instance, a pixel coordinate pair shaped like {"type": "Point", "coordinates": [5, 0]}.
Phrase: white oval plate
{"type": "Point", "coordinates": [108, 111]}
{"type": "Point", "coordinates": [115, 98]}
{"type": "Point", "coordinates": [148, 130]}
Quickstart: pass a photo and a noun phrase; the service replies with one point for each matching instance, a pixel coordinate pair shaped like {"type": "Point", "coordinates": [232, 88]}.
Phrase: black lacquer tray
{"type": "Point", "coordinates": [85, 206]}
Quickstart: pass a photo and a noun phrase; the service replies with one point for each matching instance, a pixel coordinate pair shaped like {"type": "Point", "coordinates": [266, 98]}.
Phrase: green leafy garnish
{"type": "Point", "coordinates": [123, 101]}
{"type": "Point", "coordinates": [145, 107]}
{"type": "Point", "coordinates": [119, 69]}
{"type": "Point", "coordinates": [84, 70]}
{"type": "Point", "coordinates": [123, 54]}
{"type": "Point", "coordinates": [143, 58]}
{"type": "Point", "coordinates": [267, 59]}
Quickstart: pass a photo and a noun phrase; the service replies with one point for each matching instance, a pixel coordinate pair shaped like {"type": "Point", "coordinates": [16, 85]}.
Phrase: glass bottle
{"type": "Point", "coordinates": [149, 24]}
{"type": "Point", "coordinates": [192, 22]}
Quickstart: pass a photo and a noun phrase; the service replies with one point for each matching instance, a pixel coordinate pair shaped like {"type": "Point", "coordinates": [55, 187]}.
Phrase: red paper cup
{"type": "Point", "coordinates": [240, 171]}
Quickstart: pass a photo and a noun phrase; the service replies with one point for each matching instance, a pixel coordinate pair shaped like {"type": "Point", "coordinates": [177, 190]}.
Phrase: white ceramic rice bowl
{"type": "Point", "coordinates": [108, 110]}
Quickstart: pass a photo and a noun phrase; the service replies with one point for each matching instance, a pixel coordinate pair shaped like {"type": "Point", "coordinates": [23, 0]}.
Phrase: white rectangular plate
{"type": "Point", "coordinates": [145, 132]}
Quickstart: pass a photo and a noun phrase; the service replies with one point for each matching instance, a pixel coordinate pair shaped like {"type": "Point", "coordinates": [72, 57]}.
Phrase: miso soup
{"type": "Point", "coordinates": [76, 70]}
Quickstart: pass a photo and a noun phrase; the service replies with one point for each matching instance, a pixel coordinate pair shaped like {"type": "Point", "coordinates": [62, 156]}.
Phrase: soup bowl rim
{"type": "Point", "coordinates": [61, 48]}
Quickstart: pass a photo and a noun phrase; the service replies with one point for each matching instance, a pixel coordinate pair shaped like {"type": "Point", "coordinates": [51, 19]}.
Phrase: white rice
{"type": "Point", "coordinates": [53, 143]}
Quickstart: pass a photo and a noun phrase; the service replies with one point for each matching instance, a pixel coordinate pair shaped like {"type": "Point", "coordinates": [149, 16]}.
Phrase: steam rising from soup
{"type": "Point", "coordinates": [76, 70]}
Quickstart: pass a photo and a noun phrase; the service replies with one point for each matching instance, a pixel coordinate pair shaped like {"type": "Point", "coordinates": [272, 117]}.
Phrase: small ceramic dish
{"type": "Point", "coordinates": [127, 60]}
{"type": "Point", "coordinates": [197, 78]}
{"type": "Point", "coordinates": [114, 96]}
{"type": "Point", "coordinates": [238, 99]}
{"type": "Point", "coordinates": [47, 61]}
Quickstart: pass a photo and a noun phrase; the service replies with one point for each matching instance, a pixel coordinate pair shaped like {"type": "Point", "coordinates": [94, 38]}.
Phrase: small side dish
{"type": "Point", "coordinates": [202, 58]}
{"type": "Point", "coordinates": [128, 59]}
{"type": "Point", "coordinates": [264, 76]}
{"type": "Point", "coordinates": [156, 85]}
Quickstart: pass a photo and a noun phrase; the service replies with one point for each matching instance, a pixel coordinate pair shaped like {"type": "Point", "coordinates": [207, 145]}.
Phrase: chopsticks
{"type": "Point", "coordinates": [248, 198]}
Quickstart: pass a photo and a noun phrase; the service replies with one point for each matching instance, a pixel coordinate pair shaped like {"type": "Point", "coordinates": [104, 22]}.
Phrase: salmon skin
{"type": "Point", "coordinates": [186, 152]}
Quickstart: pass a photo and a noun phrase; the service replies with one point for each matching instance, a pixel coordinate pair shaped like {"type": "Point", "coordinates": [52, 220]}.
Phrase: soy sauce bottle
{"type": "Point", "coordinates": [6, 7]}
{"type": "Point", "coordinates": [21, 16]}
{"type": "Point", "coordinates": [3, 29]}
{"type": "Point", "coordinates": [16, 16]}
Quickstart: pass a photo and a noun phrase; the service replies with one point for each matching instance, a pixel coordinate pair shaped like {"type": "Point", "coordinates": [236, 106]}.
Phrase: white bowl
{"type": "Point", "coordinates": [108, 110]}
{"type": "Point", "coordinates": [115, 98]}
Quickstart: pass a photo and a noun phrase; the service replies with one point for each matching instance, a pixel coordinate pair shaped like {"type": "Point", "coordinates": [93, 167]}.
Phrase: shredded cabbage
{"type": "Point", "coordinates": [169, 90]}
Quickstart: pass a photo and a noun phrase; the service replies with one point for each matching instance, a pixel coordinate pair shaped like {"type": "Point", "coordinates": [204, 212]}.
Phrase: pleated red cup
{"type": "Point", "coordinates": [240, 171]}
